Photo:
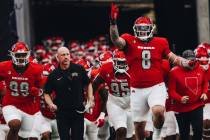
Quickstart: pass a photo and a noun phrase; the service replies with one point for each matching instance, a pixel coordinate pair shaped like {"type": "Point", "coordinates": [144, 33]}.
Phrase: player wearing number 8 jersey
{"type": "Point", "coordinates": [115, 75]}
{"type": "Point", "coordinates": [144, 54]}
{"type": "Point", "coordinates": [23, 80]}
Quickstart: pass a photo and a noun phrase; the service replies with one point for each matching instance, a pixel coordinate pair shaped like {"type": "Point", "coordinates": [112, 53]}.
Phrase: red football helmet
{"type": "Point", "coordinates": [120, 63]}
{"type": "Point", "coordinates": [205, 45]}
{"type": "Point", "coordinates": [20, 54]}
{"type": "Point", "coordinates": [47, 42]}
{"type": "Point", "coordinates": [46, 59]}
{"type": "Point", "coordinates": [39, 52]}
{"type": "Point", "coordinates": [58, 41]}
{"type": "Point", "coordinates": [143, 28]}
{"type": "Point", "coordinates": [80, 53]}
{"type": "Point", "coordinates": [85, 64]}
{"type": "Point", "coordinates": [90, 48]}
{"type": "Point", "coordinates": [105, 58]}
{"type": "Point", "coordinates": [202, 56]}
{"type": "Point", "coordinates": [48, 68]}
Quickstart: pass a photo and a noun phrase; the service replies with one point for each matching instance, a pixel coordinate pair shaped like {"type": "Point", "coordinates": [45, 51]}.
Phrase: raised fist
{"type": "Point", "coordinates": [101, 120]}
{"type": "Point", "coordinates": [114, 11]}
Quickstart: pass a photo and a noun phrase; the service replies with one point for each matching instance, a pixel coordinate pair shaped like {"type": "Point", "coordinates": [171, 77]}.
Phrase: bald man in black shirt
{"type": "Point", "coordinates": [68, 81]}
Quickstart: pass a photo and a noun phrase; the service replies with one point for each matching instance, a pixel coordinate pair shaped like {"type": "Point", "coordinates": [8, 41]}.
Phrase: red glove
{"type": "Point", "coordinates": [114, 11]}
{"type": "Point", "coordinates": [34, 91]}
{"type": "Point", "coordinates": [192, 63]}
{"type": "Point", "coordinates": [101, 120]}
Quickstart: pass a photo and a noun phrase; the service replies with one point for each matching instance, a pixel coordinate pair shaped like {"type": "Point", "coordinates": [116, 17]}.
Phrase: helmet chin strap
{"type": "Point", "coordinates": [122, 71]}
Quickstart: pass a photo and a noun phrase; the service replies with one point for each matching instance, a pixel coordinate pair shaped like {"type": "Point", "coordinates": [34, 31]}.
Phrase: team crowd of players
{"type": "Point", "coordinates": [129, 84]}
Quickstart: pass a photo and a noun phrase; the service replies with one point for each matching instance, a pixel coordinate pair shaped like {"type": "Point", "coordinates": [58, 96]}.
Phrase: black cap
{"type": "Point", "coordinates": [188, 54]}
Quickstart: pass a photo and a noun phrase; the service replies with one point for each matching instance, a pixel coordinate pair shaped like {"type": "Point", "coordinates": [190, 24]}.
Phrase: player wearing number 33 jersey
{"type": "Point", "coordinates": [115, 74]}
{"type": "Point", "coordinates": [23, 80]}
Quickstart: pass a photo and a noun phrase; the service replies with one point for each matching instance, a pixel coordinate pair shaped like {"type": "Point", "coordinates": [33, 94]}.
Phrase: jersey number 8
{"type": "Point", "coordinates": [146, 59]}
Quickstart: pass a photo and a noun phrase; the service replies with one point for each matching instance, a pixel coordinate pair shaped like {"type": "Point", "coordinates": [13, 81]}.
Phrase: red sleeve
{"type": "Point", "coordinates": [172, 86]}
{"type": "Point", "coordinates": [125, 36]}
{"type": "Point", "coordinates": [102, 73]}
{"type": "Point", "coordinates": [205, 84]}
{"type": "Point", "coordinates": [166, 49]}
{"type": "Point", "coordinates": [39, 77]}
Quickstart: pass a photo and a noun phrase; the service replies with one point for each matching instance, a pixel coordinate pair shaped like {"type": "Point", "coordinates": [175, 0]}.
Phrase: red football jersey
{"type": "Point", "coordinates": [144, 60]}
{"type": "Point", "coordinates": [190, 83]}
{"type": "Point", "coordinates": [119, 85]}
{"type": "Point", "coordinates": [18, 86]}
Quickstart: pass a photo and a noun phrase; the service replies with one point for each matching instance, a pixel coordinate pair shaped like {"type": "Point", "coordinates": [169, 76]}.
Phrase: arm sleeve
{"type": "Point", "coordinates": [172, 87]}
{"type": "Point", "coordinates": [48, 87]}
{"type": "Point", "coordinates": [166, 49]}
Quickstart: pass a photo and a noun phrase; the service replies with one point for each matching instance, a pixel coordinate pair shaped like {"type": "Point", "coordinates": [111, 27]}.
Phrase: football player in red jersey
{"type": "Point", "coordinates": [95, 118]}
{"type": "Point", "coordinates": [144, 53]}
{"type": "Point", "coordinates": [23, 80]}
{"type": "Point", "coordinates": [116, 76]}
{"type": "Point", "coordinates": [189, 90]}
{"type": "Point", "coordinates": [202, 56]}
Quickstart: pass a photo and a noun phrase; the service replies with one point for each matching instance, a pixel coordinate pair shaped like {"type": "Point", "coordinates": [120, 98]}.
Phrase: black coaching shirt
{"type": "Point", "coordinates": [69, 87]}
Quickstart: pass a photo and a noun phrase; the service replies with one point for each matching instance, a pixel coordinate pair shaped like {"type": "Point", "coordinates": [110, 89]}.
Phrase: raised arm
{"type": "Point", "coordinates": [180, 61]}
{"type": "Point", "coordinates": [114, 34]}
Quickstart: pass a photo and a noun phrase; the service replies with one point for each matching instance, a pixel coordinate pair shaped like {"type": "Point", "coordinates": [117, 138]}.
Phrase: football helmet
{"type": "Point", "coordinates": [39, 52]}
{"type": "Point", "coordinates": [20, 54]}
{"type": "Point", "coordinates": [205, 45]}
{"type": "Point", "coordinates": [90, 48]}
{"type": "Point", "coordinates": [202, 56]}
{"type": "Point", "coordinates": [58, 41]}
{"type": "Point", "coordinates": [85, 64]}
{"type": "Point", "coordinates": [48, 68]}
{"type": "Point", "coordinates": [105, 58]}
{"type": "Point", "coordinates": [143, 28]}
{"type": "Point", "coordinates": [120, 63]}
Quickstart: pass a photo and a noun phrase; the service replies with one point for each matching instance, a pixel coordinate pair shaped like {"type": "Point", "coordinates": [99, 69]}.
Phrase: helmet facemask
{"type": "Point", "coordinates": [20, 58]}
{"type": "Point", "coordinates": [144, 31]}
{"type": "Point", "coordinates": [120, 66]}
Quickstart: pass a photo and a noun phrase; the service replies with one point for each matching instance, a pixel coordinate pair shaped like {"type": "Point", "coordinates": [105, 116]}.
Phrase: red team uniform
{"type": "Point", "coordinates": [146, 75]}
{"type": "Point", "coordinates": [23, 79]}
{"type": "Point", "coordinates": [144, 60]}
{"type": "Point", "coordinates": [119, 97]}
{"type": "Point", "coordinates": [19, 85]}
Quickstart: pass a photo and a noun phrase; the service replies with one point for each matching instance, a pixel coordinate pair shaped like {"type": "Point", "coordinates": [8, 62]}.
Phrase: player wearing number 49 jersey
{"type": "Point", "coordinates": [116, 76]}
{"type": "Point", "coordinates": [23, 80]}
{"type": "Point", "coordinates": [144, 53]}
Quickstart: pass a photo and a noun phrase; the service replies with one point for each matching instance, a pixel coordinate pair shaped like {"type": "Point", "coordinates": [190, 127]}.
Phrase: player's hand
{"type": "Point", "coordinates": [184, 99]}
{"type": "Point", "coordinates": [101, 120]}
{"type": "Point", "coordinates": [34, 91]}
{"type": "Point", "coordinates": [204, 97]}
{"type": "Point", "coordinates": [114, 12]}
{"type": "Point", "coordinates": [189, 64]}
{"type": "Point", "coordinates": [53, 107]}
